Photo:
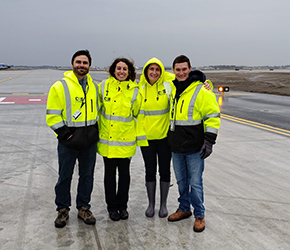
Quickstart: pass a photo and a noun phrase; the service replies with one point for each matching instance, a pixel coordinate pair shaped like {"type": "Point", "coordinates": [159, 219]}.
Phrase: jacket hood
{"type": "Point", "coordinates": [70, 74]}
{"type": "Point", "coordinates": [164, 76]}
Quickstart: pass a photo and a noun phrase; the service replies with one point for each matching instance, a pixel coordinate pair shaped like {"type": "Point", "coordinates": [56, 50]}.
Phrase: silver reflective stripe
{"type": "Point", "coordinates": [167, 87]}
{"type": "Point", "coordinates": [192, 102]}
{"type": "Point", "coordinates": [103, 84]}
{"type": "Point", "coordinates": [97, 95]}
{"type": "Point", "coordinates": [141, 112]}
{"type": "Point", "coordinates": [116, 118]}
{"type": "Point", "coordinates": [67, 101]}
{"type": "Point", "coordinates": [69, 121]}
{"type": "Point", "coordinates": [136, 91]}
{"type": "Point", "coordinates": [53, 112]}
{"type": "Point", "coordinates": [117, 143]}
{"type": "Point", "coordinates": [80, 124]}
{"type": "Point", "coordinates": [157, 112]}
{"type": "Point", "coordinates": [141, 138]}
{"type": "Point", "coordinates": [188, 123]}
{"type": "Point", "coordinates": [211, 130]}
{"type": "Point", "coordinates": [211, 116]}
{"type": "Point", "coordinates": [57, 125]}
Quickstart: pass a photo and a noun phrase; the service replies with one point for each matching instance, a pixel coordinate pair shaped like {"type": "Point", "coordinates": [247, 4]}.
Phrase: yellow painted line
{"type": "Point", "coordinates": [232, 94]}
{"type": "Point", "coordinates": [9, 78]}
{"type": "Point", "coordinates": [20, 93]}
{"type": "Point", "coordinates": [257, 125]}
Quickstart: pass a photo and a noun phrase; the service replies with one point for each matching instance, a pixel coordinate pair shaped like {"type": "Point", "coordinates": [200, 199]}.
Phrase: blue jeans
{"type": "Point", "coordinates": [66, 160]}
{"type": "Point", "coordinates": [188, 168]}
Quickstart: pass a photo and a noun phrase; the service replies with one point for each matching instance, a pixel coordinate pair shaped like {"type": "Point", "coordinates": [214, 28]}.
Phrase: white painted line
{"type": "Point", "coordinates": [3, 98]}
{"type": "Point", "coordinates": [34, 100]}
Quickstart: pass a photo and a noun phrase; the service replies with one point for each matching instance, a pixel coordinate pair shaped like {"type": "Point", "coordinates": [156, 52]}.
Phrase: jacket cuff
{"type": "Point", "coordinates": [210, 137]}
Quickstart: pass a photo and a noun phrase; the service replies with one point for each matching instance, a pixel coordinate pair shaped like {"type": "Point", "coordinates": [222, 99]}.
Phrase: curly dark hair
{"type": "Point", "coordinates": [131, 68]}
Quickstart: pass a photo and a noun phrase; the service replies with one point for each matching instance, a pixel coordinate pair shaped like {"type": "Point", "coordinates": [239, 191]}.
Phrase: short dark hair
{"type": "Point", "coordinates": [131, 68]}
{"type": "Point", "coordinates": [181, 59]}
{"type": "Point", "coordinates": [80, 53]}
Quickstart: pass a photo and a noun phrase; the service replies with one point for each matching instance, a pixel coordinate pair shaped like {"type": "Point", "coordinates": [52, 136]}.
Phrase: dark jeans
{"type": "Point", "coordinates": [66, 159]}
{"type": "Point", "coordinates": [157, 149]}
{"type": "Point", "coordinates": [117, 199]}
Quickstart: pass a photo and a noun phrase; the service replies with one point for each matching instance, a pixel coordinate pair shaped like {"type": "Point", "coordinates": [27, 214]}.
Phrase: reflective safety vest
{"type": "Point", "coordinates": [67, 104]}
{"type": "Point", "coordinates": [195, 105]}
{"type": "Point", "coordinates": [118, 130]}
{"type": "Point", "coordinates": [156, 102]}
{"type": "Point", "coordinates": [196, 108]}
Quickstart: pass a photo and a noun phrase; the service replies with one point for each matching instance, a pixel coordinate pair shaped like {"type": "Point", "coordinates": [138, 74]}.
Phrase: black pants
{"type": "Point", "coordinates": [117, 199]}
{"type": "Point", "coordinates": [157, 149]}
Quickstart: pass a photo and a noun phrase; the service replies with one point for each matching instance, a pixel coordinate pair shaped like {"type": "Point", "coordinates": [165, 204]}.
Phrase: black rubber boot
{"type": "Point", "coordinates": [164, 188]}
{"type": "Point", "coordinates": [151, 188]}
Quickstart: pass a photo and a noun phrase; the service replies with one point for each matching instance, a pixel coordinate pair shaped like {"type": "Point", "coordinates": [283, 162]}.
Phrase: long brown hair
{"type": "Point", "coordinates": [131, 68]}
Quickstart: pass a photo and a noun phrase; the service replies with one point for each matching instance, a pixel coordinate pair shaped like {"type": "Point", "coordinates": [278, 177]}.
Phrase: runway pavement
{"type": "Point", "coordinates": [246, 184]}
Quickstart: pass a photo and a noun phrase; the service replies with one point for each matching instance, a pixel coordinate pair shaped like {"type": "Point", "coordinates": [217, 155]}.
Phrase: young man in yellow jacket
{"type": "Point", "coordinates": [194, 123]}
{"type": "Point", "coordinates": [72, 108]}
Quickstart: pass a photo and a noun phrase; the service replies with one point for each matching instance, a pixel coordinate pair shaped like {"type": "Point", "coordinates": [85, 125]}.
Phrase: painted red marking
{"type": "Point", "coordinates": [22, 100]}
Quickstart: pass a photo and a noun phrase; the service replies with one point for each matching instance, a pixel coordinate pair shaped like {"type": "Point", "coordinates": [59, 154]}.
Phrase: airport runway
{"type": "Point", "coordinates": [246, 182]}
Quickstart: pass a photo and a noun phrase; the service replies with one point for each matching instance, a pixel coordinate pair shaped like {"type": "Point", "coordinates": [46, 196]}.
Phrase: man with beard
{"type": "Point", "coordinates": [72, 108]}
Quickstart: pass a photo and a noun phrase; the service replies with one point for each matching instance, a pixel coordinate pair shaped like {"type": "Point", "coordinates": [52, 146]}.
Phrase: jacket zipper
{"type": "Point", "coordinates": [181, 106]}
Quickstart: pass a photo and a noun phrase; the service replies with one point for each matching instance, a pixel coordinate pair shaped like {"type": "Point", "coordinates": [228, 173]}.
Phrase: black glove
{"type": "Point", "coordinates": [63, 132]}
{"type": "Point", "coordinates": [206, 150]}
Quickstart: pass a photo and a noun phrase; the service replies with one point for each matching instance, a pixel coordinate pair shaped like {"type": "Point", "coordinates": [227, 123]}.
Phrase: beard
{"type": "Point", "coordinates": [80, 71]}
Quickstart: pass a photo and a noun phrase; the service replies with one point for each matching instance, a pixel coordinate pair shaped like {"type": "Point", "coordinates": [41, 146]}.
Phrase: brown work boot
{"type": "Point", "coordinates": [86, 215]}
{"type": "Point", "coordinates": [199, 224]}
{"type": "Point", "coordinates": [179, 215]}
{"type": "Point", "coordinates": [61, 218]}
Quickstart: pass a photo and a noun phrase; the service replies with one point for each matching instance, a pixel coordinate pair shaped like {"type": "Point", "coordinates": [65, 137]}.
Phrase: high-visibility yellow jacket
{"type": "Point", "coordinates": [156, 102]}
{"type": "Point", "coordinates": [120, 106]}
{"type": "Point", "coordinates": [71, 111]}
{"type": "Point", "coordinates": [194, 117]}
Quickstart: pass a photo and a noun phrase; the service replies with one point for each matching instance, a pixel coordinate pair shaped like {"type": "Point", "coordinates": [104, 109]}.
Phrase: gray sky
{"type": "Point", "coordinates": [209, 32]}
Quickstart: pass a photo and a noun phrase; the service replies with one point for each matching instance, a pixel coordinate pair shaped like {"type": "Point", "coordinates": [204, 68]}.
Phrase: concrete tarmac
{"type": "Point", "coordinates": [246, 186]}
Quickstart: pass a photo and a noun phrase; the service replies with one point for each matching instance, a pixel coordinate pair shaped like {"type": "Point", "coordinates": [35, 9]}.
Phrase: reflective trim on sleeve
{"type": "Point", "coordinates": [117, 143]}
{"type": "Point", "coordinates": [57, 125]}
{"type": "Point", "coordinates": [141, 138]}
{"type": "Point", "coordinates": [211, 116]}
{"type": "Point", "coordinates": [211, 130]}
{"type": "Point", "coordinates": [53, 112]}
{"type": "Point", "coordinates": [67, 101]}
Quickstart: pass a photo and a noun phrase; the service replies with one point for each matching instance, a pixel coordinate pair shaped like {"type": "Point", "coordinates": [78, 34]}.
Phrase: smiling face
{"type": "Point", "coordinates": [81, 66]}
{"type": "Point", "coordinates": [153, 73]}
{"type": "Point", "coordinates": [181, 71]}
{"type": "Point", "coordinates": [121, 71]}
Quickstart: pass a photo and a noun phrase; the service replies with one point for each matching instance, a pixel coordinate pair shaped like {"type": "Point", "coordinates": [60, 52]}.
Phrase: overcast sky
{"type": "Point", "coordinates": [209, 32]}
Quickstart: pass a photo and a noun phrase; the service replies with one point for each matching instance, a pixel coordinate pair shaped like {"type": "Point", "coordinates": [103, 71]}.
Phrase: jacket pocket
{"type": "Point", "coordinates": [82, 138]}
